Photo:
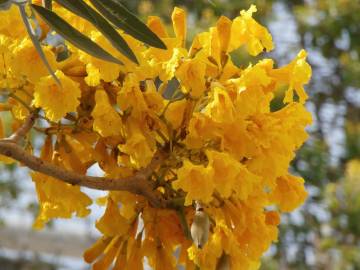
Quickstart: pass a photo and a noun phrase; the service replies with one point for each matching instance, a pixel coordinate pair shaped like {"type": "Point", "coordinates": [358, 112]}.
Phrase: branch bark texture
{"type": "Point", "coordinates": [139, 183]}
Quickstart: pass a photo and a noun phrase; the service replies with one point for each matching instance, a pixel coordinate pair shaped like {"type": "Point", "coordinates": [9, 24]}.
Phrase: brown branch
{"type": "Point", "coordinates": [24, 129]}
{"type": "Point", "coordinates": [138, 183]}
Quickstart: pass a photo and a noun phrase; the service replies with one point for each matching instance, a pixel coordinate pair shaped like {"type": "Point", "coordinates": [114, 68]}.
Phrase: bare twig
{"type": "Point", "coordinates": [139, 183]}
{"type": "Point", "coordinates": [24, 129]}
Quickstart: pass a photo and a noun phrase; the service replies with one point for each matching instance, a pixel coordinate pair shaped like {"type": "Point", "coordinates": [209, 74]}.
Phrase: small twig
{"type": "Point", "coordinates": [24, 129]}
{"type": "Point", "coordinates": [12, 95]}
{"type": "Point", "coordinates": [184, 225]}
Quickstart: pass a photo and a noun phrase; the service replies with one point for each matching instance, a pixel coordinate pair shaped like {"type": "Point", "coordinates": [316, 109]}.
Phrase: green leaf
{"type": "Point", "coordinates": [73, 36]}
{"type": "Point", "coordinates": [81, 9]}
{"type": "Point", "coordinates": [116, 13]}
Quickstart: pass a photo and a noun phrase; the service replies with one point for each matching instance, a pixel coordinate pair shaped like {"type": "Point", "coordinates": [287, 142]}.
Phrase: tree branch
{"type": "Point", "coordinates": [24, 129]}
{"type": "Point", "coordinates": [138, 183]}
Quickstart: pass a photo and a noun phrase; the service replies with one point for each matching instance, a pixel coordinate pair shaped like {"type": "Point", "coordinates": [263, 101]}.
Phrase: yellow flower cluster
{"type": "Point", "coordinates": [227, 148]}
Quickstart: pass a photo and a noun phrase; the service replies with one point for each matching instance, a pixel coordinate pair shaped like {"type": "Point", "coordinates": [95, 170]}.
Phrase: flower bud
{"type": "Point", "coordinates": [200, 226]}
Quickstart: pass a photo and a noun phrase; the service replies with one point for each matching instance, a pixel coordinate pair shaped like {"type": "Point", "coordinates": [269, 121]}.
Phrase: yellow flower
{"type": "Point", "coordinates": [179, 23]}
{"type": "Point", "coordinates": [223, 27]}
{"type": "Point", "coordinates": [135, 258]}
{"type": "Point", "coordinates": [191, 74]}
{"type": "Point", "coordinates": [8, 79]}
{"type": "Point", "coordinates": [152, 97]}
{"type": "Point", "coordinates": [272, 218]}
{"type": "Point", "coordinates": [96, 68]}
{"type": "Point", "coordinates": [58, 199]}
{"type": "Point", "coordinates": [11, 23]}
{"type": "Point", "coordinates": [296, 74]}
{"type": "Point", "coordinates": [112, 223]}
{"type": "Point", "coordinates": [131, 98]}
{"type": "Point", "coordinates": [196, 180]}
{"type": "Point", "coordinates": [96, 249]}
{"type": "Point", "coordinates": [27, 62]}
{"type": "Point", "coordinates": [175, 113]}
{"type": "Point", "coordinates": [56, 101]}
{"type": "Point", "coordinates": [172, 64]}
{"type": "Point", "coordinates": [109, 254]}
{"type": "Point", "coordinates": [245, 30]}
{"type": "Point", "coordinates": [170, 233]}
{"type": "Point", "coordinates": [226, 169]}
{"type": "Point", "coordinates": [221, 108]}
{"type": "Point", "coordinates": [156, 25]}
{"type": "Point", "coordinates": [128, 202]}
{"type": "Point", "coordinates": [18, 110]}
{"type": "Point", "coordinates": [289, 192]}
{"type": "Point", "coordinates": [200, 130]}
{"type": "Point", "coordinates": [137, 146]}
{"type": "Point", "coordinates": [107, 121]}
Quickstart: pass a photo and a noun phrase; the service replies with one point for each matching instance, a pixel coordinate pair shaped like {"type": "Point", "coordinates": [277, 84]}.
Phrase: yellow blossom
{"type": "Point", "coordinates": [221, 108]}
{"type": "Point", "coordinates": [226, 169]}
{"type": "Point", "coordinates": [223, 27]}
{"type": "Point", "coordinates": [58, 200]}
{"type": "Point", "coordinates": [54, 99]}
{"type": "Point", "coordinates": [196, 180]}
{"type": "Point", "coordinates": [175, 113]}
{"type": "Point", "coordinates": [156, 25]}
{"type": "Point", "coordinates": [131, 98]}
{"type": "Point", "coordinates": [138, 147]}
{"type": "Point", "coordinates": [295, 74]}
{"type": "Point", "coordinates": [112, 223]}
{"type": "Point", "coordinates": [179, 23]}
{"type": "Point", "coordinates": [191, 74]}
{"type": "Point", "coordinates": [245, 30]}
{"type": "Point", "coordinates": [27, 62]}
{"type": "Point", "coordinates": [107, 121]}
{"type": "Point", "coordinates": [289, 192]}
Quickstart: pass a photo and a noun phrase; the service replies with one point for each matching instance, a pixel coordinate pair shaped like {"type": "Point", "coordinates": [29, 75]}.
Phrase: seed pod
{"type": "Point", "coordinates": [223, 262]}
{"type": "Point", "coordinates": [200, 226]}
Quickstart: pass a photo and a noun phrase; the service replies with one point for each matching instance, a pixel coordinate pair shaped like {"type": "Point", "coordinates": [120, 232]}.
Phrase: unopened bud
{"type": "Point", "coordinates": [200, 226]}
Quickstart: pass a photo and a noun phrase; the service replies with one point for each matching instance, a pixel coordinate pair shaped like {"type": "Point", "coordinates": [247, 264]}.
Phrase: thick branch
{"type": "Point", "coordinates": [137, 184]}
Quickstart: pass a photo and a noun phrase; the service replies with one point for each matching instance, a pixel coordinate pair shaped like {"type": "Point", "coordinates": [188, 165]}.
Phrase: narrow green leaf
{"type": "Point", "coordinates": [116, 13]}
{"type": "Point", "coordinates": [73, 36]}
{"type": "Point", "coordinates": [80, 8]}
{"type": "Point", "coordinates": [36, 42]}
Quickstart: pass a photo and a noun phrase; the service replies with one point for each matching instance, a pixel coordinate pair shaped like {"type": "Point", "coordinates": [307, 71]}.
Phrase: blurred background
{"type": "Point", "coordinates": [325, 232]}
